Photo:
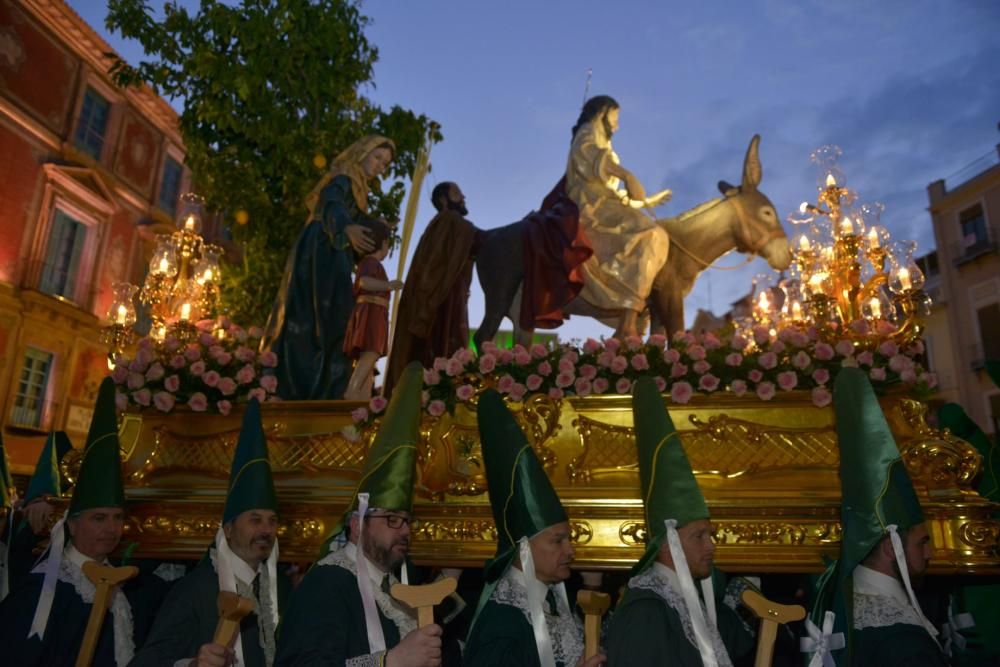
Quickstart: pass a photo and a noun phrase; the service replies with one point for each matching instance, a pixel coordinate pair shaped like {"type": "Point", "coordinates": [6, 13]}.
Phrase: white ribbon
{"type": "Point", "coordinates": [376, 638]}
{"type": "Point", "coordinates": [690, 595]}
{"type": "Point", "coordinates": [708, 593]}
{"type": "Point", "coordinates": [821, 642]}
{"type": "Point", "coordinates": [950, 630]}
{"type": "Point", "coordinates": [57, 540]}
{"type": "Point", "coordinates": [536, 598]}
{"type": "Point", "coordinates": [897, 548]}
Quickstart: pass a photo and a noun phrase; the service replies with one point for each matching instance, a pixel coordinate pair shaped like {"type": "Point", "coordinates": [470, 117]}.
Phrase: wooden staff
{"type": "Point", "coordinates": [232, 609]}
{"type": "Point", "coordinates": [770, 615]}
{"type": "Point", "coordinates": [104, 579]}
{"type": "Point", "coordinates": [594, 605]}
{"type": "Point", "coordinates": [423, 598]}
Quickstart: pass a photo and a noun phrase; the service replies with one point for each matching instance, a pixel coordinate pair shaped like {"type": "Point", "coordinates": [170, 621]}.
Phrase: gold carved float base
{"type": "Point", "coordinates": [768, 472]}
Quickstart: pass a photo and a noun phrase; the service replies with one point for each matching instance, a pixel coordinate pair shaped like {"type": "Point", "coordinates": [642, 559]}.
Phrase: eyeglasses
{"type": "Point", "coordinates": [392, 520]}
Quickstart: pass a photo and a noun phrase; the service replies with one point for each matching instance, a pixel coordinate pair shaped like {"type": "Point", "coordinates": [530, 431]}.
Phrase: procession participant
{"type": "Point", "coordinates": [8, 496]}
{"type": "Point", "coordinates": [629, 248]}
{"type": "Point", "coordinates": [524, 617]}
{"type": "Point", "coordinates": [43, 621]}
{"type": "Point", "coordinates": [662, 620]}
{"type": "Point", "coordinates": [433, 307]}
{"type": "Point", "coordinates": [884, 548]}
{"type": "Point", "coordinates": [243, 560]}
{"type": "Point", "coordinates": [341, 613]}
{"type": "Point", "coordinates": [309, 319]}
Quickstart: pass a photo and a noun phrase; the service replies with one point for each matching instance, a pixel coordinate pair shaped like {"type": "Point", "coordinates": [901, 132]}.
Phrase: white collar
{"type": "Point", "coordinates": [668, 573]}
{"type": "Point", "coordinates": [375, 573]}
{"type": "Point", "coordinates": [242, 569]}
{"type": "Point", "coordinates": [517, 575]}
{"type": "Point", "coordinates": [76, 557]}
{"type": "Point", "coordinates": [869, 582]}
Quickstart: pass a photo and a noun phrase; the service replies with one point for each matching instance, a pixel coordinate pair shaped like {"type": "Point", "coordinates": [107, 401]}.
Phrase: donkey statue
{"type": "Point", "coordinates": [743, 219]}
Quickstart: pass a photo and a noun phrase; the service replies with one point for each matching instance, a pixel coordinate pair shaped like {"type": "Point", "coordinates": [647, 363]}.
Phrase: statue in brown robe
{"type": "Point", "coordinates": [433, 309]}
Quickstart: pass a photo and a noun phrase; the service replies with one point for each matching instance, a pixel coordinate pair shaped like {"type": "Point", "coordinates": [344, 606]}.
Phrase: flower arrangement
{"type": "Point", "coordinates": [217, 368]}
{"type": "Point", "coordinates": [760, 362]}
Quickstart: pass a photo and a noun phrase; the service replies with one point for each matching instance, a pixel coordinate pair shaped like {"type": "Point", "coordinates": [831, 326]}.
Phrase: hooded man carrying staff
{"type": "Point", "coordinates": [662, 619]}
{"type": "Point", "coordinates": [243, 560]}
{"type": "Point", "coordinates": [342, 613]}
{"type": "Point", "coordinates": [524, 617]}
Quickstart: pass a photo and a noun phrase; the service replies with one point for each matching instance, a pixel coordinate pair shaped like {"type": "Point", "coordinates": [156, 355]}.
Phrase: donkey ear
{"type": "Point", "coordinates": [751, 165]}
{"type": "Point", "coordinates": [728, 189]}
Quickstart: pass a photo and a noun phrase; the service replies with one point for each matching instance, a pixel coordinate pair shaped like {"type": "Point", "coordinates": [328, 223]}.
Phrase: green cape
{"type": "Point", "coordinates": [250, 483]}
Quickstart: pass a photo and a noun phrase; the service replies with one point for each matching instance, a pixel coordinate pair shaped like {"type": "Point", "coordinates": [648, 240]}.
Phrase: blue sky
{"type": "Point", "coordinates": [909, 89]}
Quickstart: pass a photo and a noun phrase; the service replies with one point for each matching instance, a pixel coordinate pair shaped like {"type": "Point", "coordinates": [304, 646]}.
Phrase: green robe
{"type": "Point", "coordinates": [646, 630]}
{"type": "Point", "coordinates": [324, 623]}
{"type": "Point", "coordinates": [188, 619]}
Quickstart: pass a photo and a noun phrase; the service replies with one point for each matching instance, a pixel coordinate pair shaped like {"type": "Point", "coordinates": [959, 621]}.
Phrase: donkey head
{"type": "Point", "coordinates": [757, 229]}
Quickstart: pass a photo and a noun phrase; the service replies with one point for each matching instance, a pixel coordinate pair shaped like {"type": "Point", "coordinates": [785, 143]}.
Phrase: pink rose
{"type": "Point", "coordinates": [142, 397]}
{"type": "Point", "coordinates": [684, 337]}
{"type": "Point", "coordinates": [639, 362]}
{"type": "Point", "coordinates": [765, 391]}
{"type": "Point", "coordinates": [761, 334]}
{"type": "Point", "coordinates": [823, 351]}
{"type": "Point", "coordinates": [844, 348]}
{"type": "Point", "coordinates": [768, 360]}
{"type": "Point", "coordinates": [227, 386]}
{"type": "Point", "coordinates": [701, 367]}
{"type": "Point", "coordinates": [359, 414]}
{"type": "Point", "coordinates": [788, 380]}
{"type": "Point", "coordinates": [155, 372]}
{"type": "Point", "coordinates": [866, 358]}
{"type": "Point", "coordinates": [146, 342]}
{"type": "Point", "coordinates": [440, 364]}
{"type": "Point", "coordinates": [600, 385]}
{"type": "Point", "coordinates": [657, 340]}
{"type": "Point", "coordinates": [465, 392]}
{"type": "Point", "coordinates": [633, 343]}
{"type": "Point", "coordinates": [739, 343]}
{"type": "Point", "coordinates": [680, 392]}
{"type": "Point", "coordinates": [612, 344]}
{"type": "Point", "coordinates": [915, 349]}
{"type": "Point", "coordinates": [588, 371]}
{"type": "Point", "coordinates": [377, 404]}
{"type": "Point", "coordinates": [464, 355]}
{"type": "Point", "coordinates": [708, 382]}
{"type": "Point", "coordinates": [487, 363]}
{"type": "Point", "coordinates": [144, 355]}
{"type": "Point", "coordinates": [591, 346]}
{"type": "Point", "coordinates": [245, 375]}
{"type": "Point", "coordinates": [538, 351]}
{"type": "Point", "coordinates": [661, 384]}
{"type": "Point", "coordinates": [623, 386]}
{"type": "Point", "coordinates": [268, 359]}
{"type": "Point", "coordinates": [908, 375]}
{"type": "Point", "coordinates": [897, 364]}
{"type": "Point", "coordinates": [171, 343]}
{"type": "Point", "coordinates": [136, 380]}
{"type": "Point", "coordinates": [172, 383]}
{"type": "Point", "coordinates": [929, 379]}
{"type": "Point", "coordinates": [755, 375]}
{"type": "Point", "coordinates": [517, 391]}
{"type": "Point", "coordinates": [506, 356]}
{"type": "Point", "coordinates": [224, 407]}
{"type": "Point", "coordinates": [545, 369]}
{"type": "Point", "coordinates": [121, 401]}
{"type": "Point", "coordinates": [671, 356]}
{"type": "Point", "coordinates": [696, 352]}
{"type": "Point", "coordinates": [605, 358]}
{"type": "Point", "coordinates": [571, 355]}
{"type": "Point", "coordinates": [777, 347]}
{"type": "Point", "coordinates": [257, 393]}
{"type": "Point", "coordinates": [734, 359]}
{"type": "Point", "coordinates": [582, 387]}
{"type": "Point", "coordinates": [888, 348]}
{"type": "Point", "coordinates": [192, 353]}
{"type": "Point", "coordinates": [522, 357]}
{"type": "Point", "coordinates": [207, 339]}
{"type": "Point", "coordinates": [678, 370]}
{"type": "Point", "coordinates": [556, 393]}
{"type": "Point", "coordinates": [489, 347]}
{"type": "Point", "coordinates": [505, 384]}
{"type": "Point", "coordinates": [197, 368]}
{"type": "Point", "coordinates": [618, 365]}
{"type": "Point", "coordinates": [566, 366]}
{"type": "Point", "coordinates": [269, 383]}
{"type": "Point", "coordinates": [454, 367]}
{"type": "Point", "coordinates": [798, 338]}
{"type": "Point", "coordinates": [198, 402]}
{"type": "Point", "coordinates": [136, 366]}
{"type": "Point", "coordinates": [163, 401]}
{"type": "Point", "coordinates": [821, 376]}
{"type": "Point", "coordinates": [211, 378]}
{"type": "Point", "coordinates": [431, 377]}
{"type": "Point", "coordinates": [533, 382]}
{"type": "Point", "coordinates": [436, 408]}
{"type": "Point", "coordinates": [877, 374]}
{"type": "Point", "coordinates": [711, 341]}
{"type": "Point", "coordinates": [821, 397]}
{"type": "Point", "coordinates": [120, 374]}
{"type": "Point", "coordinates": [224, 358]}
{"type": "Point", "coordinates": [801, 360]}
{"type": "Point", "coordinates": [859, 327]}
{"type": "Point", "coordinates": [738, 387]}
{"type": "Point", "coordinates": [564, 380]}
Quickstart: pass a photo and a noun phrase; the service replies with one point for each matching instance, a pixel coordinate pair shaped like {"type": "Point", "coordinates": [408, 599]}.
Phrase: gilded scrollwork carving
{"type": "Point", "coordinates": [633, 533]}
{"type": "Point", "coordinates": [461, 530]}
{"type": "Point", "coordinates": [980, 534]}
{"type": "Point", "coordinates": [942, 463]}
{"type": "Point", "coordinates": [540, 415]}
{"type": "Point", "coordinates": [580, 532]}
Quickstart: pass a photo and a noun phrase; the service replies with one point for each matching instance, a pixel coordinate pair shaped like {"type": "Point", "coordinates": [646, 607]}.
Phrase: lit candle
{"type": "Point", "coordinates": [846, 227]}
{"type": "Point", "coordinates": [207, 276]}
{"type": "Point", "coordinates": [816, 282]}
{"type": "Point", "coordinates": [803, 207]}
{"type": "Point", "coordinates": [189, 223]}
{"type": "Point", "coordinates": [763, 302]}
{"type": "Point", "coordinates": [876, 308]}
{"type": "Point", "coordinates": [830, 181]}
{"type": "Point", "coordinates": [185, 311]}
{"type": "Point", "coordinates": [804, 243]}
{"type": "Point", "coordinates": [904, 278]}
{"type": "Point", "coordinates": [160, 333]}
{"type": "Point", "coordinates": [122, 314]}
{"type": "Point", "coordinates": [796, 310]}
{"type": "Point", "coordinates": [164, 265]}
{"type": "Point", "coordinates": [873, 241]}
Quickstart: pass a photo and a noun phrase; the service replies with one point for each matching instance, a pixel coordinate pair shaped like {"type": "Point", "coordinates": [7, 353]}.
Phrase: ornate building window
{"type": "Point", "coordinates": [61, 269]}
{"type": "Point", "coordinates": [170, 186]}
{"type": "Point", "coordinates": [92, 127]}
{"type": "Point", "coordinates": [29, 401]}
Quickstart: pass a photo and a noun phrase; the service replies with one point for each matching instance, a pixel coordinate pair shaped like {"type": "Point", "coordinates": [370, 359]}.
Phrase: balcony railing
{"type": "Point", "coordinates": [963, 253]}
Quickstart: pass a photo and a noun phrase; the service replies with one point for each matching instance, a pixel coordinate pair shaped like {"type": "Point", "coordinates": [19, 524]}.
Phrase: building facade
{"type": "Point", "coordinates": [89, 172]}
{"type": "Point", "coordinates": [965, 212]}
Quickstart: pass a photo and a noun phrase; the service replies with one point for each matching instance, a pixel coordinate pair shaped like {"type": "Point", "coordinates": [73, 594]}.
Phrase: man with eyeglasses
{"type": "Point", "coordinates": [342, 612]}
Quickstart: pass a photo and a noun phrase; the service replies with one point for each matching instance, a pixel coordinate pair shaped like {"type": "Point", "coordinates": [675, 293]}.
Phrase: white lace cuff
{"type": "Point", "coordinates": [370, 660]}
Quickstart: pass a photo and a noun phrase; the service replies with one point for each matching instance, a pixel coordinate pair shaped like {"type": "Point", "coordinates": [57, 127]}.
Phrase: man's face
{"type": "Point", "coordinates": [251, 535]}
{"type": "Point", "coordinates": [456, 200]}
{"type": "Point", "coordinates": [553, 553]}
{"type": "Point", "coordinates": [917, 549]}
{"type": "Point", "coordinates": [386, 538]}
{"type": "Point", "coordinates": [96, 532]}
{"type": "Point", "coordinates": [699, 548]}
{"type": "Point", "coordinates": [611, 121]}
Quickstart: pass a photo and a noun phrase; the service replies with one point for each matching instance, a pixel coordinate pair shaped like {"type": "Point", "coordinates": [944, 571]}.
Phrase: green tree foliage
{"type": "Point", "coordinates": [267, 85]}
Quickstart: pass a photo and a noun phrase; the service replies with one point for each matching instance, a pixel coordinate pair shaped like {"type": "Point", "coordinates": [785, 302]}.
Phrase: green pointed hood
{"type": "Point", "coordinates": [6, 481]}
{"type": "Point", "coordinates": [669, 488]}
{"type": "Point", "coordinates": [390, 466]}
{"type": "Point", "coordinates": [99, 483]}
{"type": "Point", "coordinates": [250, 483]}
{"type": "Point", "coordinates": [876, 492]}
{"type": "Point", "coordinates": [521, 495]}
{"type": "Point", "coordinates": [47, 480]}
